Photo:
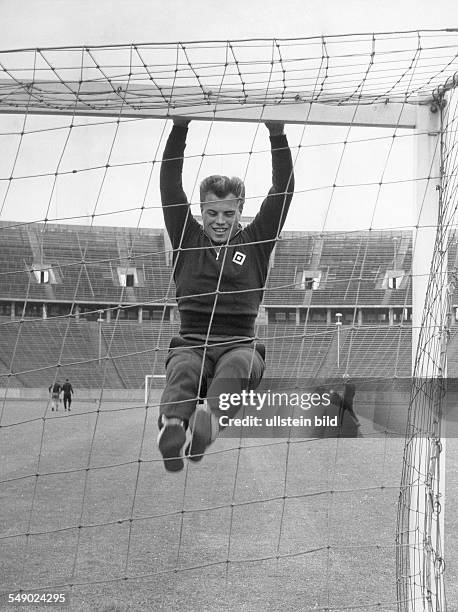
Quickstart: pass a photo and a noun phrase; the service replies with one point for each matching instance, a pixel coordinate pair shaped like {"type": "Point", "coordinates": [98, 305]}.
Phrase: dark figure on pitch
{"type": "Point", "coordinates": [349, 424]}
{"type": "Point", "coordinates": [55, 390]}
{"type": "Point", "coordinates": [68, 392]}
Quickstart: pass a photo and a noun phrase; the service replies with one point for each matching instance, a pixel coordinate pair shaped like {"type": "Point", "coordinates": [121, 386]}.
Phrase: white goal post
{"type": "Point", "coordinates": [148, 386]}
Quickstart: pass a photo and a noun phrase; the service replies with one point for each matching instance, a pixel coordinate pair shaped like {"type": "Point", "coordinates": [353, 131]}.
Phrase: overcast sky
{"type": "Point", "coordinates": [40, 23]}
{"type": "Point", "coordinates": [81, 22]}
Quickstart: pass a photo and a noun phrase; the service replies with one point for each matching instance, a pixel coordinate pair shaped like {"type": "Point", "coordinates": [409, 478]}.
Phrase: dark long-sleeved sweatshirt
{"type": "Point", "coordinates": [221, 286]}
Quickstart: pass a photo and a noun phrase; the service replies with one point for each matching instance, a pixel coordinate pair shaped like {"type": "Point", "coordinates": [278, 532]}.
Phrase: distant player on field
{"type": "Point", "coordinates": [341, 405]}
{"type": "Point", "coordinates": [350, 421]}
{"type": "Point", "coordinates": [55, 390]}
{"type": "Point", "coordinates": [68, 392]}
{"type": "Point", "coordinates": [220, 271]}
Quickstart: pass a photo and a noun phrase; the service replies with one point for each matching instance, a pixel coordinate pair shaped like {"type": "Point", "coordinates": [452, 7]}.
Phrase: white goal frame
{"type": "Point", "coordinates": [148, 378]}
{"type": "Point", "coordinates": [424, 120]}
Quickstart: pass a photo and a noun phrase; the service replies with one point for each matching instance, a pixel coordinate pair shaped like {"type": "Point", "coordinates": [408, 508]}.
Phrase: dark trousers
{"type": "Point", "coordinates": [194, 371]}
{"type": "Point", "coordinates": [67, 399]}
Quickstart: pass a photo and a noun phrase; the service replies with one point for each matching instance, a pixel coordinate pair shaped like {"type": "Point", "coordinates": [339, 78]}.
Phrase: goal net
{"type": "Point", "coordinates": [360, 286]}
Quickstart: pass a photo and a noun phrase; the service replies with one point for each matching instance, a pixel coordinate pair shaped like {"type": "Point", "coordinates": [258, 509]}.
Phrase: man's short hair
{"type": "Point", "coordinates": [222, 186]}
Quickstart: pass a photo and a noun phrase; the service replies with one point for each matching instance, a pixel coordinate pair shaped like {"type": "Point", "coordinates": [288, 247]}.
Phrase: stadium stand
{"type": "Point", "coordinates": [369, 351]}
{"type": "Point", "coordinates": [36, 352]}
{"type": "Point", "coordinates": [98, 304]}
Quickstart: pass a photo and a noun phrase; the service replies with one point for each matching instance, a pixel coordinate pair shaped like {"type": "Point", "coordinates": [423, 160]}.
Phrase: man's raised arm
{"type": "Point", "coordinates": [272, 214]}
{"type": "Point", "coordinates": [175, 204]}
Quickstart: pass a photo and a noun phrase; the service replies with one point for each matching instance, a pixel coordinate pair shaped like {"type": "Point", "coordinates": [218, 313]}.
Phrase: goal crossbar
{"type": "Point", "coordinates": [89, 98]}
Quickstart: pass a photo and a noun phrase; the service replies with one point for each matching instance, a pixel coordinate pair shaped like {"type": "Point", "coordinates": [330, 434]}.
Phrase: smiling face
{"type": "Point", "coordinates": [221, 216]}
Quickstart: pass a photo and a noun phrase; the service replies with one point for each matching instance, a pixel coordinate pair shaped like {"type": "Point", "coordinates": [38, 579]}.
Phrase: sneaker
{"type": "Point", "coordinates": [171, 440]}
{"type": "Point", "coordinates": [204, 430]}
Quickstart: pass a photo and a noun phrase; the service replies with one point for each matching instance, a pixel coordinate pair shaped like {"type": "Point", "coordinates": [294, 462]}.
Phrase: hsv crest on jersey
{"type": "Point", "coordinates": [239, 258]}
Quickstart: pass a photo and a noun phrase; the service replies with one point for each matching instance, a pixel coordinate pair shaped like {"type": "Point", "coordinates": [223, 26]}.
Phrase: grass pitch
{"type": "Point", "coordinates": [260, 524]}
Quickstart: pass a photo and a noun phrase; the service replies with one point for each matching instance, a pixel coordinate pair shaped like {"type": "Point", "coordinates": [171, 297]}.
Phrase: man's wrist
{"type": "Point", "coordinates": [282, 135]}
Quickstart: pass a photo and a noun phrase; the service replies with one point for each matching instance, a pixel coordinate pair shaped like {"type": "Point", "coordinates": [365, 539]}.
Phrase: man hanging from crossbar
{"type": "Point", "coordinates": [220, 270]}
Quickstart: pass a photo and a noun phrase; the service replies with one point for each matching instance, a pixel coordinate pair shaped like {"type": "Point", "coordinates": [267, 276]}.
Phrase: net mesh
{"type": "Point", "coordinates": [87, 293]}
